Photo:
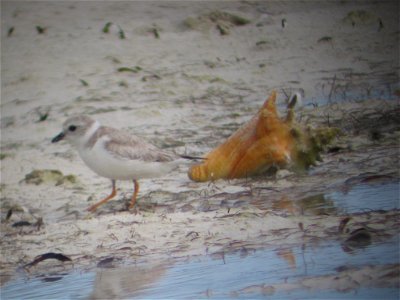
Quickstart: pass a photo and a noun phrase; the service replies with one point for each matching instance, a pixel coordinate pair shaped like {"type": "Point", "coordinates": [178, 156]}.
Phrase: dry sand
{"type": "Point", "coordinates": [187, 88]}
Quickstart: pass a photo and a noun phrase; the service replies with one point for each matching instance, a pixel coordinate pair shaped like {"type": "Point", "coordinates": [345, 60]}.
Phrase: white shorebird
{"type": "Point", "coordinates": [115, 154]}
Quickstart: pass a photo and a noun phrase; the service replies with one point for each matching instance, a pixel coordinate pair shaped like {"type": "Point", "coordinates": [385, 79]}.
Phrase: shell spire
{"type": "Point", "coordinates": [263, 141]}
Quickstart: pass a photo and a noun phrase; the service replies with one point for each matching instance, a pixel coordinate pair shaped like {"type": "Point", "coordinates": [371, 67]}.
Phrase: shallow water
{"type": "Point", "coordinates": [362, 197]}
{"type": "Point", "coordinates": [365, 197]}
{"type": "Point", "coordinates": [221, 277]}
{"type": "Point", "coordinates": [275, 271]}
{"type": "Point", "coordinates": [231, 275]}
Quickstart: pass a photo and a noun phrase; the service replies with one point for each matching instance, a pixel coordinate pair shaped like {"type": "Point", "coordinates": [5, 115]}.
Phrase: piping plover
{"type": "Point", "coordinates": [115, 154]}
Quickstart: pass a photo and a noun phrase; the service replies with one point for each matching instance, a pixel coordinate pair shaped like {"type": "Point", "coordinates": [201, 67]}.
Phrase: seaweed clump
{"type": "Point", "coordinates": [55, 177]}
{"type": "Point", "coordinates": [222, 21]}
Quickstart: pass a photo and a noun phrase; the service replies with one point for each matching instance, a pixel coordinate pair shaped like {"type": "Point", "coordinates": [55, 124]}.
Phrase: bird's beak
{"type": "Point", "coordinates": [58, 138]}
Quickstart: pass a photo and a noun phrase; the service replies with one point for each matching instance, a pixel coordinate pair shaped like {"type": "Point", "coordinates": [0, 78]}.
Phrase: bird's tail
{"type": "Point", "coordinates": [189, 157]}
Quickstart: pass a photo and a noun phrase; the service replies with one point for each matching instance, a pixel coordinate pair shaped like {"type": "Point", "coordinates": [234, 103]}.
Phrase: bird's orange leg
{"type": "Point", "coordinates": [134, 196]}
{"type": "Point", "coordinates": [96, 205]}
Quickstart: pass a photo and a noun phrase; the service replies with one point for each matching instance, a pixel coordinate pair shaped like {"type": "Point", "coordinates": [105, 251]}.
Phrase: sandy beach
{"type": "Point", "coordinates": [184, 76]}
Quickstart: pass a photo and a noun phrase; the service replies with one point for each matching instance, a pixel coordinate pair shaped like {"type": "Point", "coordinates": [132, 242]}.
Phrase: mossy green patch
{"type": "Point", "coordinates": [49, 177]}
{"type": "Point", "coordinates": [3, 156]}
{"type": "Point", "coordinates": [310, 143]}
{"type": "Point", "coordinates": [360, 17]}
{"type": "Point", "coordinates": [220, 20]}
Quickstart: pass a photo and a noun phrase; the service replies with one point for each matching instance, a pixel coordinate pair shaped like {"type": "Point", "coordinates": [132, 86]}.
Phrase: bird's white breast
{"type": "Point", "coordinates": [107, 165]}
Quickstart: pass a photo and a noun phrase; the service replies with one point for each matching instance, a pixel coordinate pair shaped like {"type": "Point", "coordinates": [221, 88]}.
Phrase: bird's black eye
{"type": "Point", "coordinates": [72, 128]}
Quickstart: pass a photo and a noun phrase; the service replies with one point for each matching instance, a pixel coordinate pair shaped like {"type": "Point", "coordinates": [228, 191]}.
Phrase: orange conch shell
{"type": "Point", "coordinates": [265, 141]}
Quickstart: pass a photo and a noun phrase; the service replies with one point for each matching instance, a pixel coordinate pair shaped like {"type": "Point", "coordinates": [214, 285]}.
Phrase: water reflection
{"type": "Point", "coordinates": [351, 199]}
{"type": "Point", "coordinates": [288, 256]}
{"type": "Point", "coordinates": [368, 197]}
{"type": "Point", "coordinates": [132, 281]}
{"type": "Point", "coordinates": [315, 205]}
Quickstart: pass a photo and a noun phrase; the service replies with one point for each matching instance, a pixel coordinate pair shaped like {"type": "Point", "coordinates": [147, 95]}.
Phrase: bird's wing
{"type": "Point", "coordinates": [130, 147]}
